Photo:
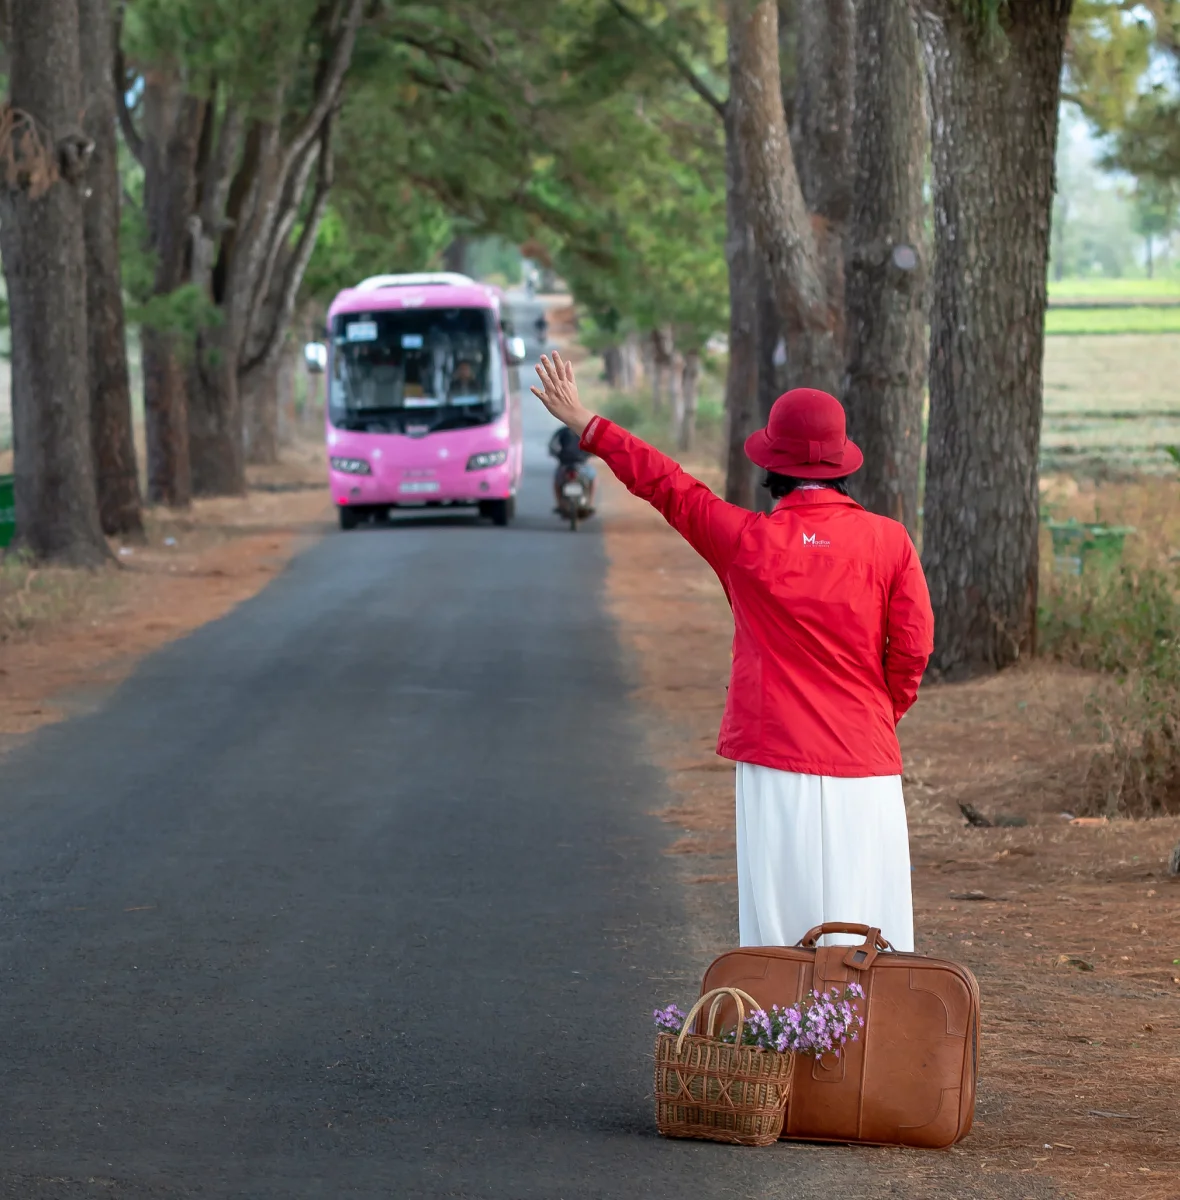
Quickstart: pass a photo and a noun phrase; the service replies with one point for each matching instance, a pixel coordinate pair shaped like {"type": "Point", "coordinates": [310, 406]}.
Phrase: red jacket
{"type": "Point", "coordinates": [832, 618]}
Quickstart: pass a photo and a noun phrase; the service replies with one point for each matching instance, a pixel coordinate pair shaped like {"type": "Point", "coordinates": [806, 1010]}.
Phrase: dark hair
{"type": "Point", "coordinates": [783, 485]}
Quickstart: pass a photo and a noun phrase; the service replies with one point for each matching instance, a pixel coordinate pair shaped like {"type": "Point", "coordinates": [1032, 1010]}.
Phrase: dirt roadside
{"type": "Point", "coordinates": [67, 637]}
{"type": "Point", "coordinates": [1073, 932]}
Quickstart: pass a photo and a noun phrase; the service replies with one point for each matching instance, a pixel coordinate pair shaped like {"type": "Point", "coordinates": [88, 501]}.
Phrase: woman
{"type": "Point", "coordinates": [832, 632]}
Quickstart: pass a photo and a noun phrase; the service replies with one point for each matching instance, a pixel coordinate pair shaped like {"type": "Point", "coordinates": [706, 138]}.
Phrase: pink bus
{"type": "Point", "coordinates": [421, 409]}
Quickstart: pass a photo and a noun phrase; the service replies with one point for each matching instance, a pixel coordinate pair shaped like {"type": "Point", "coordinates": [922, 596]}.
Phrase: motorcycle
{"type": "Point", "coordinates": [574, 502]}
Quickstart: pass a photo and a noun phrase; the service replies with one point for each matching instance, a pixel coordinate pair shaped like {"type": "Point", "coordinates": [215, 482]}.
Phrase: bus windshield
{"type": "Point", "coordinates": [415, 371]}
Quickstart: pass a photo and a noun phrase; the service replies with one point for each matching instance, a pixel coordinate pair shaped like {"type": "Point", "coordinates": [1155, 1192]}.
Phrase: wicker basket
{"type": "Point", "coordinates": [707, 1089]}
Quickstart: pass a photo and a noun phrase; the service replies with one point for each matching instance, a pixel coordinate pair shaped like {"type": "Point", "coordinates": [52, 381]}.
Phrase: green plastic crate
{"type": "Point", "coordinates": [1078, 547]}
{"type": "Point", "coordinates": [7, 510]}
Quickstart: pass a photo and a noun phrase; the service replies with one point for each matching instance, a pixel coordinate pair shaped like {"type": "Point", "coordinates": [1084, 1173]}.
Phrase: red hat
{"type": "Point", "coordinates": [805, 438]}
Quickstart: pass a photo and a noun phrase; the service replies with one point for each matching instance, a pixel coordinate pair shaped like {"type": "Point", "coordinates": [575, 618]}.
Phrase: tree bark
{"type": "Point", "coordinates": [43, 245]}
{"type": "Point", "coordinates": [260, 403]}
{"type": "Point", "coordinates": [771, 371]}
{"type": "Point", "coordinates": [821, 134]}
{"type": "Point", "coordinates": [741, 379]}
{"type": "Point", "coordinates": [116, 476]}
{"type": "Point", "coordinates": [165, 393]}
{"type": "Point", "coordinates": [803, 255]}
{"type": "Point", "coordinates": [171, 132]}
{"type": "Point", "coordinates": [886, 271]}
{"type": "Point", "coordinates": [216, 431]}
{"type": "Point", "coordinates": [994, 113]}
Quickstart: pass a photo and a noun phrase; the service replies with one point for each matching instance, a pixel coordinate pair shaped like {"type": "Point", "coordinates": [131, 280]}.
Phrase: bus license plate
{"type": "Point", "coordinates": [414, 489]}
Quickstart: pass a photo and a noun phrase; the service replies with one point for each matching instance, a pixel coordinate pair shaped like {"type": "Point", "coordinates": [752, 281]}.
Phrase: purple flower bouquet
{"type": "Point", "coordinates": [822, 1023]}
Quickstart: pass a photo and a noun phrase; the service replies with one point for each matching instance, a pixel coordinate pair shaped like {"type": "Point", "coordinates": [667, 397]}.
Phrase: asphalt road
{"type": "Point", "coordinates": [355, 893]}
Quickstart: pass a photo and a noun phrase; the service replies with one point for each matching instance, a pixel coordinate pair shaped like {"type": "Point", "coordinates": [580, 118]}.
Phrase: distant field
{"type": "Point", "coordinates": [1111, 403]}
{"type": "Point", "coordinates": [1164, 288]}
{"type": "Point", "coordinates": [1098, 320]}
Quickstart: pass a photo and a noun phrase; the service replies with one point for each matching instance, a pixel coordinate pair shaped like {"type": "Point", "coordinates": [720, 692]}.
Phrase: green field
{"type": "Point", "coordinates": [1166, 287]}
{"type": "Point", "coordinates": [1098, 320]}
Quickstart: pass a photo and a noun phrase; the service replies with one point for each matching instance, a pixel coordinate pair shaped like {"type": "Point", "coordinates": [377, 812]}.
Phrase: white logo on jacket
{"type": "Point", "coordinates": [811, 539]}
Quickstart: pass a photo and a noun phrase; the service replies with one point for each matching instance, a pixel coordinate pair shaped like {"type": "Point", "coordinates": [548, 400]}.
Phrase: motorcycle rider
{"type": "Point", "coordinates": [564, 446]}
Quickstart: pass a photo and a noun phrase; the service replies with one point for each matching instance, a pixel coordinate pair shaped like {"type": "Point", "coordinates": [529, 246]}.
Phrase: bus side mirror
{"type": "Point", "coordinates": [516, 351]}
{"type": "Point", "coordinates": [315, 357]}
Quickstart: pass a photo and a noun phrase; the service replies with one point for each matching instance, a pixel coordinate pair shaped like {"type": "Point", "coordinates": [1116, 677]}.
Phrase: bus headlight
{"type": "Point", "coordinates": [351, 466]}
{"type": "Point", "coordinates": [491, 458]}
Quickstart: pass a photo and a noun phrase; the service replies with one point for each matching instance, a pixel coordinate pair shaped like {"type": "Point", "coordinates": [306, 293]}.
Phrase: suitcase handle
{"type": "Point", "coordinates": [871, 934]}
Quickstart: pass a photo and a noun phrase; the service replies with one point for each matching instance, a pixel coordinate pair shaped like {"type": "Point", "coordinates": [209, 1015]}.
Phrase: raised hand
{"type": "Point", "coordinates": [559, 393]}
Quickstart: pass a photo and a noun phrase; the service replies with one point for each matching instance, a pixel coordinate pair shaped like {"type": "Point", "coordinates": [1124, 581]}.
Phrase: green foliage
{"type": "Point", "coordinates": [252, 50]}
{"type": "Point", "coordinates": [183, 312]}
{"type": "Point", "coordinates": [554, 124]}
{"type": "Point", "coordinates": [1154, 207]}
{"type": "Point", "coordinates": [1115, 55]}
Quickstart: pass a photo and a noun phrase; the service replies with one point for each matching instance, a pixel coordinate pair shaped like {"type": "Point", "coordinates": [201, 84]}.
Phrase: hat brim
{"type": "Point", "coordinates": [761, 452]}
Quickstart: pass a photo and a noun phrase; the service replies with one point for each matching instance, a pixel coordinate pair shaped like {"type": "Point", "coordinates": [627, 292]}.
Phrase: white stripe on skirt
{"type": "Point", "coordinates": [813, 848]}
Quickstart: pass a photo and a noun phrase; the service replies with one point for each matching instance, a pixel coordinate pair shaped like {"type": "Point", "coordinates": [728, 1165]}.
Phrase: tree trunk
{"type": "Point", "coordinates": [674, 379]}
{"type": "Point", "coordinates": [771, 368]}
{"type": "Point", "coordinates": [455, 256]}
{"type": "Point", "coordinates": [43, 245]}
{"type": "Point", "coordinates": [994, 113]}
{"type": "Point", "coordinates": [171, 131]}
{"type": "Point", "coordinates": [821, 136]}
{"type": "Point", "coordinates": [886, 274]}
{"type": "Point", "coordinates": [286, 391]}
{"type": "Point", "coordinates": [116, 476]}
{"type": "Point", "coordinates": [741, 379]}
{"type": "Point", "coordinates": [1150, 262]}
{"type": "Point", "coordinates": [215, 427]}
{"type": "Point", "coordinates": [612, 367]}
{"type": "Point", "coordinates": [689, 395]}
{"type": "Point", "coordinates": [260, 405]}
{"type": "Point", "coordinates": [660, 358]}
{"type": "Point", "coordinates": [165, 396]}
{"type": "Point", "coordinates": [632, 363]}
{"type": "Point", "coordinates": [804, 256]}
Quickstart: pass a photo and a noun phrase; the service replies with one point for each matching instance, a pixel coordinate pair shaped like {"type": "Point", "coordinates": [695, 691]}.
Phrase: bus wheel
{"type": "Point", "coordinates": [349, 517]}
{"type": "Point", "coordinates": [502, 511]}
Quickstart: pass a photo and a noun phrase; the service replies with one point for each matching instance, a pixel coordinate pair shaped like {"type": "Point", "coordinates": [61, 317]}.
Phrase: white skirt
{"type": "Point", "coordinates": [813, 848]}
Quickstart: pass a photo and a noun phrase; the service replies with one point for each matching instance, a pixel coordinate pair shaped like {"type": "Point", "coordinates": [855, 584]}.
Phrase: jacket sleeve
{"type": "Point", "coordinates": [711, 526]}
{"type": "Point", "coordinates": [909, 631]}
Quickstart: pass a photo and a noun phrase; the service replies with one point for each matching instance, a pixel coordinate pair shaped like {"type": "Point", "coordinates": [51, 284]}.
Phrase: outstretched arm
{"type": "Point", "coordinates": [712, 527]}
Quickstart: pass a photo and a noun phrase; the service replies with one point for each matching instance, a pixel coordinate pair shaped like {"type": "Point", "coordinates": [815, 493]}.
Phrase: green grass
{"type": "Point", "coordinates": [1079, 321]}
{"type": "Point", "coordinates": [1163, 287]}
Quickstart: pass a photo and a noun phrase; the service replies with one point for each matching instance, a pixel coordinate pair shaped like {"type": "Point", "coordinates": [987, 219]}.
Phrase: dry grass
{"type": "Point", "coordinates": [32, 597]}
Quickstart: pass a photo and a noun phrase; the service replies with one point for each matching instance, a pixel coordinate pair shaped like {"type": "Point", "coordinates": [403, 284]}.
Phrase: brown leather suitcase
{"type": "Point", "coordinates": [909, 1079]}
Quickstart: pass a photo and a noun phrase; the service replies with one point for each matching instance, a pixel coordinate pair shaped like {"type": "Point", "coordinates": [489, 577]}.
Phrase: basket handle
{"type": "Point", "coordinates": [717, 995]}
